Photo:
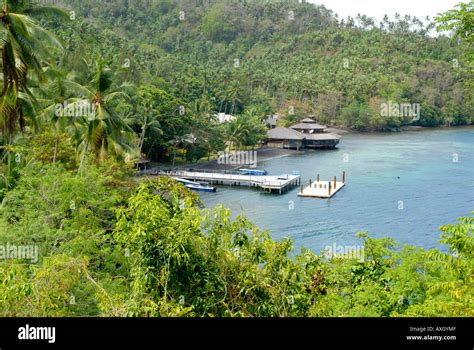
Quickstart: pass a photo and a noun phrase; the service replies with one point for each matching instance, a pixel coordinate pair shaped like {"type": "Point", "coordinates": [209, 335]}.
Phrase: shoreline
{"type": "Point", "coordinates": [266, 153]}
{"type": "Point", "coordinates": [344, 131]}
{"type": "Point", "coordinates": [263, 154]}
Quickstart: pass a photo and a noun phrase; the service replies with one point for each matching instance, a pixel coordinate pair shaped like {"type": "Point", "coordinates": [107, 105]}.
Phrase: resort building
{"type": "Point", "coordinates": [306, 134]}
{"type": "Point", "coordinates": [308, 126]}
{"type": "Point", "coordinates": [285, 138]}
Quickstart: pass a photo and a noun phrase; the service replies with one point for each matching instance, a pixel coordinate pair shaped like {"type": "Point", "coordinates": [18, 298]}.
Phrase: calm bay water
{"type": "Point", "coordinates": [399, 185]}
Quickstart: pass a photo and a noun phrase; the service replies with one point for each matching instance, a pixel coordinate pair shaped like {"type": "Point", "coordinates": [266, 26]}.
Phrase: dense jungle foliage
{"type": "Point", "coordinates": [255, 58]}
{"type": "Point", "coordinates": [91, 88]}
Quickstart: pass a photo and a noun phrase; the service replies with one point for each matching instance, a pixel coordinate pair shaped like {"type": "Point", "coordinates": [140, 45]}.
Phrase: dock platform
{"type": "Point", "coordinates": [271, 183]}
{"type": "Point", "coordinates": [322, 189]}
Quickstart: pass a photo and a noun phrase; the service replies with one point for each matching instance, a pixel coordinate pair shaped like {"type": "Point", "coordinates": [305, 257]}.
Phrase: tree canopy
{"type": "Point", "coordinates": [126, 80]}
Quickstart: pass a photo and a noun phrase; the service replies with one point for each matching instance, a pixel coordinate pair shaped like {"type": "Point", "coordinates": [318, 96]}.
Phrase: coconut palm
{"type": "Point", "coordinates": [104, 130]}
{"type": "Point", "coordinates": [55, 97]}
{"type": "Point", "coordinates": [147, 121]}
{"type": "Point", "coordinates": [23, 45]}
{"type": "Point", "coordinates": [237, 132]}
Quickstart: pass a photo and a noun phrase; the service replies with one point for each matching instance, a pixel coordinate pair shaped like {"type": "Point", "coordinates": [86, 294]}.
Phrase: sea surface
{"type": "Point", "coordinates": [401, 185]}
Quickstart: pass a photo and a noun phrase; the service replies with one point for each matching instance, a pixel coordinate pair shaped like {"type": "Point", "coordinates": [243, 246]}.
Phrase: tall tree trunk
{"type": "Point", "coordinates": [83, 156]}
{"type": "Point", "coordinates": [220, 107]}
{"type": "Point", "coordinates": [56, 144]}
{"type": "Point", "coordinates": [142, 136]}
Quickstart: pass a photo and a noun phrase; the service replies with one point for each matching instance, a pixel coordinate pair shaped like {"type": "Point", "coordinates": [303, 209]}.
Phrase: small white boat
{"type": "Point", "coordinates": [196, 186]}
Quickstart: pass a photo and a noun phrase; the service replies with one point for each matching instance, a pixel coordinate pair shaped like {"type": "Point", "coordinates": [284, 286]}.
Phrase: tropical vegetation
{"type": "Point", "coordinates": [88, 91]}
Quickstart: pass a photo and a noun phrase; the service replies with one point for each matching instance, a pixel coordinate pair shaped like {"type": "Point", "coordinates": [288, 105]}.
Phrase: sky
{"type": "Point", "coordinates": [377, 8]}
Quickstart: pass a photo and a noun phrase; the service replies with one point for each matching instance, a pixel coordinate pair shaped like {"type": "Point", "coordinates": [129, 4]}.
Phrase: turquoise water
{"type": "Point", "coordinates": [399, 185]}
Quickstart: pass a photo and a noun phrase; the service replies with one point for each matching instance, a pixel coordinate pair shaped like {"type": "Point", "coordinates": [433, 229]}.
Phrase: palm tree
{"type": "Point", "coordinates": [233, 93]}
{"type": "Point", "coordinates": [103, 130]}
{"type": "Point", "coordinates": [237, 132]}
{"type": "Point", "coordinates": [147, 120]}
{"type": "Point", "coordinates": [23, 43]}
{"type": "Point", "coordinates": [223, 96]}
{"type": "Point", "coordinates": [60, 90]}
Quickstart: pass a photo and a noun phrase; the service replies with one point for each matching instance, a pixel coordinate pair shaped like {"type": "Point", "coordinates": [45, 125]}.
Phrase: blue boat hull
{"type": "Point", "coordinates": [201, 188]}
{"type": "Point", "coordinates": [253, 172]}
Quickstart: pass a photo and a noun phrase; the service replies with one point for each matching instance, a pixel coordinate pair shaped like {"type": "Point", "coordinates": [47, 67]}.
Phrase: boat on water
{"type": "Point", "coordinates": [255, 172]}
{"type": "Point", "coordinates": [195, 186]}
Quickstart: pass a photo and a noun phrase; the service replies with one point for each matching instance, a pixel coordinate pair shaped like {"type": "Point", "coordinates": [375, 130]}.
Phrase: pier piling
{"type": "Point", "coordinates": [324, 189]}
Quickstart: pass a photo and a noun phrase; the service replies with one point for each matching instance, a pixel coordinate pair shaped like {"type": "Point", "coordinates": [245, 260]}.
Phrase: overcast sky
{"type": "Point", "coordinates": [377, 8]}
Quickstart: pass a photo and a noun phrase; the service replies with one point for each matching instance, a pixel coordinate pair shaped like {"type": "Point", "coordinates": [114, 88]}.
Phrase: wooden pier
{"type": "Point", "coordinates": [277, 184]}
{"type": "Point", "coordinates": [322, 189]}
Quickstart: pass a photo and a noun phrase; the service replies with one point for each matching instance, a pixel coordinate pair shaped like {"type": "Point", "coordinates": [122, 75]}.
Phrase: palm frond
{"type": "Point", "coordinates": [42, 11]}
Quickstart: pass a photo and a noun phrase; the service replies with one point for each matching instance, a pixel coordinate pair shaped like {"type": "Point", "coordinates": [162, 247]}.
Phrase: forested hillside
{"type": "Point", "coordinates": [89, 90]}
{"type": "Point", "coordinates": [234, 56]}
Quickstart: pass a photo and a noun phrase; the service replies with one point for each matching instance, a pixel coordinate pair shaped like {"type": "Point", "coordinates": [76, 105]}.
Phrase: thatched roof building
{"type": "Point", "coordinates": [306, 134]}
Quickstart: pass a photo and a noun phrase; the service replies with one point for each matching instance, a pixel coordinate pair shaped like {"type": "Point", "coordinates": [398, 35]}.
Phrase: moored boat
{"type": "Point", "coordinates": [255, 172]}
{"type": "Point", "coordinates": [195, 186]}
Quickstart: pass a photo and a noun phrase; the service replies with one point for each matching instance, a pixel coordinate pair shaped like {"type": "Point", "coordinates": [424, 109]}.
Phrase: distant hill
{"type": "Point", "coordinates": [279, 56]}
